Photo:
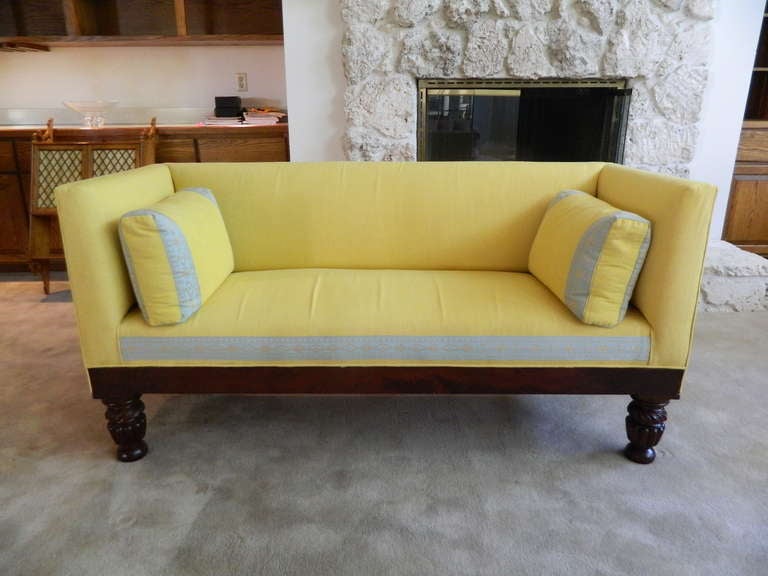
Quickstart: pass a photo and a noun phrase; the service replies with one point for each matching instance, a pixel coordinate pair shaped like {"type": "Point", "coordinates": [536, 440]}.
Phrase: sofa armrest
{"type": "Point", "coordinates": [89, 211]}
{"type": "Point", "coordinates": [667, 290]}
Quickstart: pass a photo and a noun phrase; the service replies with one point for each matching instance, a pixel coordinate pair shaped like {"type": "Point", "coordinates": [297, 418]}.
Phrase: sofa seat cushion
{"type": "Point", "coordinates": [381, 317]}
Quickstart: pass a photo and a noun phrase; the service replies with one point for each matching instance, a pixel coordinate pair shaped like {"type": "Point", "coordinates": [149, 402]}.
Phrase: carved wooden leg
{"type": "Point", "coordinates": [645, 425]}
{"type": "Point", "coordinates": [127, 424]}
{"type": "Point", "coordinates": [45, 275]}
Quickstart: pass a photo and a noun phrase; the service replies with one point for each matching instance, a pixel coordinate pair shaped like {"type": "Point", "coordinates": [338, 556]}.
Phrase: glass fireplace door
{"type": "Point", "coordinates": [472, 124]}
{"type": "Point", "coordinates": [522, 120]}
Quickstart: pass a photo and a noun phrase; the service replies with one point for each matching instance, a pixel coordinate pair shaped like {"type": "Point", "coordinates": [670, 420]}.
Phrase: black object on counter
{"type": "Point", "coordinates": [228, 106]}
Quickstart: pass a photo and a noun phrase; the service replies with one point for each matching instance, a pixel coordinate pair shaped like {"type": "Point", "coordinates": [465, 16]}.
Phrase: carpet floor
{"type": "Point", "coordinates": [528, 485]}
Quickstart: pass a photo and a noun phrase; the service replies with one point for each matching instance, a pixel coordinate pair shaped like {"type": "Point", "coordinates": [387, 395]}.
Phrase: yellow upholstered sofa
{"type": "Point", "coordinates": [385, 278]}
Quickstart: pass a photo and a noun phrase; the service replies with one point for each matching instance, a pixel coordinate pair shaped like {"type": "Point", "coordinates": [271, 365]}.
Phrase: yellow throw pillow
{"type": "Point", "coordinates": [177, 252]}
{"type": "Point", "coordinates": [590, 254]}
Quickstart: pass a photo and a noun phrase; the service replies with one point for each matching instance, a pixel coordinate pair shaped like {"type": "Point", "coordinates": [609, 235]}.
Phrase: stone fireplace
{"type": "Point", "coordinates": [659, 46]}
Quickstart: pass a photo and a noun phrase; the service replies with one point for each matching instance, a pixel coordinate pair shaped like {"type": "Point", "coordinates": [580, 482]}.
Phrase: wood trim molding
{"type": "Point", "coordinates": [180, 9]}
{"type": "Point", "coordinates": [148, 40]}
{"type": "Point", "coordinates": [106, 382]}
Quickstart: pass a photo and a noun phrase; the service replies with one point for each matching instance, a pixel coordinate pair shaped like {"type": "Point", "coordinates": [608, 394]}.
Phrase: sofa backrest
{"type": "Point", "coordinates": [448, 215]}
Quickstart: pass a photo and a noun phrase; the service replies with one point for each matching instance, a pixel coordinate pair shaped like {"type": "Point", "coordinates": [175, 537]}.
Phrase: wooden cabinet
{"type": "Point", "coordinates": [223, 144]}
{"type": "Point", "coordinates": [175, 144]}
{"type": "Point", "coordinates": [57, 163]}
{"type": "Point", "coordinates": [14, 222]}
{"type": "Point", "coordinates": [14, 231]}
{"type": "Point", "coordinates": [746, 222]}
{"type": "Point", "coordinates": [140, 22]}
{"type": "Point", "coordinates": [757, 99]}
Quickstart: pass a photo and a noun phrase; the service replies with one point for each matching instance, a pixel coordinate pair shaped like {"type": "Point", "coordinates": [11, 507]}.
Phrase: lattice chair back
{"type": "Point", "coordinates": [54, 164]}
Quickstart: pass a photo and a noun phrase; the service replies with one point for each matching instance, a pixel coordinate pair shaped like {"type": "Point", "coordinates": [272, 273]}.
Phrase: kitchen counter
{"type": "Point", "coordinates": [13, 130]}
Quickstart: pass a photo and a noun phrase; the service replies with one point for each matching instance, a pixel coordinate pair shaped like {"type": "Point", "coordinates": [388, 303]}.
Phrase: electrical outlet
{"type": "Point", "coordinates": [241, 81]}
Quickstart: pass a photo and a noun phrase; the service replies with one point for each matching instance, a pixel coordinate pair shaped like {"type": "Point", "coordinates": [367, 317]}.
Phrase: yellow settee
{"type": "Point", "coordinates": [385, 278]}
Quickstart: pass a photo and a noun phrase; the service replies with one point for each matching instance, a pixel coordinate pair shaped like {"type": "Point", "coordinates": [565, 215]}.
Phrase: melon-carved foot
{"type": "Point", "coordinates": [645, 426]}
{"type": "Point", "coordinates": [127, 425]}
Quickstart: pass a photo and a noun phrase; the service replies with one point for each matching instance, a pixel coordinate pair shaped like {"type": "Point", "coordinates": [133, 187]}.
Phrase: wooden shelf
{"type": "Point", "coordinates": [746, 221]}
{"type": "Point", "coordinates": [204, 40]}
{"type": "Point", "coordinates": [77, 23]}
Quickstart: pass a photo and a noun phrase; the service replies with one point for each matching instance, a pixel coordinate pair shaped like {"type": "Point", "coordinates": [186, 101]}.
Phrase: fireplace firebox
{"type": "Point", "coordinates": [506, 119]}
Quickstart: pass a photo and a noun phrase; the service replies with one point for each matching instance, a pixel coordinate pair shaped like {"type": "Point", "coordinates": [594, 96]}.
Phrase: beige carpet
{"type": "Point", "coordinates": [338, 486]}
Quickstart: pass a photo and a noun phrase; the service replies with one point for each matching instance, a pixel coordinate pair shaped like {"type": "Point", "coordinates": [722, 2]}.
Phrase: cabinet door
{"type": "Point", "coordinates": [7, 160]}
{"type": "Point", "coordinates": [747, 221]}
{"type": "Point", "coordinates": [14, 231]}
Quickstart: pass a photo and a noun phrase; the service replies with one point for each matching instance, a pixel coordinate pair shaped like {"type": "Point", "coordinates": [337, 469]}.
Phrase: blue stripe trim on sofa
{"type": "Point", "coordinates": [408, 348]}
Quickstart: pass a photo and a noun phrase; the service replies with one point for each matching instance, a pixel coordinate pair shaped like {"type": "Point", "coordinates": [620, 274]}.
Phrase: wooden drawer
{"type": "Point", "coordinates": [753, 146]}
{"type": "Point", "coordinates": [176, 150]}
{"type": "Point", "coordinates": [242, 149]}
{"type": "Point", "coordinates": [750, 169]}
{"type": "Point", "coordinates": [220, 148]}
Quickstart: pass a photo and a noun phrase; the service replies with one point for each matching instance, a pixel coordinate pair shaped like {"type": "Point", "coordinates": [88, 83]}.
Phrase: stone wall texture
{"type": "Point", "coordinates": [734, 280]}
{"type": "Point", "coordinates": [660, 46]}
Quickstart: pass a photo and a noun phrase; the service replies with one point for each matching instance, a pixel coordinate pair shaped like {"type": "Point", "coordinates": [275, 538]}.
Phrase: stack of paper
{"type": "Point", "coordinates": [260, 119]}
{"type": "Point", "coordinates": [221, 121]}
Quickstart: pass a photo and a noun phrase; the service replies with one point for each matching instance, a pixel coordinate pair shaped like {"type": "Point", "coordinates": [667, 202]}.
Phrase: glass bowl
{"type": "Point", "coordinates": [92, 112]}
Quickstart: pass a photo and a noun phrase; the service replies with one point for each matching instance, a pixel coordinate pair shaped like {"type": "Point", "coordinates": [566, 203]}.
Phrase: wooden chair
{"type": "Point", "coordinates": [55, 163]}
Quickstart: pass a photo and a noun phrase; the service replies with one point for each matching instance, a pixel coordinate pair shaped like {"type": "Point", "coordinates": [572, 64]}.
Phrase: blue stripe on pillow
{"type": "Point", "coordinates": [636, 271]}
{"type": "Point", "coordinates": [583, 265]}
{"type": "Point", "coordinates": [179, 260]}
{"type": "Point", "coordinates": [205, 192]}
{"type": "Point", "coordinates": [132, 273]}
{"type": "Point", "coordinates": [563, 195]}
{"type": "Point", "coordinates": [181, 263]}
{"type": "Point", "coordinates": [584, 262]}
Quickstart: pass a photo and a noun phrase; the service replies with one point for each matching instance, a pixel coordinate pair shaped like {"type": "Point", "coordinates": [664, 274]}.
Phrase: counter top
{"type": "Point", "coordinates": [12, 130]}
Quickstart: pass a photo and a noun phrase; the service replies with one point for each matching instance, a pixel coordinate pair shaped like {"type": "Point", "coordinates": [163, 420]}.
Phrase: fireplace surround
{"type": "Point", "coordinates": [661, 48]}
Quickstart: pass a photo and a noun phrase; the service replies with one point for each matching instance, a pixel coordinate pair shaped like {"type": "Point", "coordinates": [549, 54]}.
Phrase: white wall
{"type": "Point", "coordinates": [315, 79]}
{"type": "Point", "coordinates": [156, 77]}
{"type": "Point", "coordinates": [735, 33]}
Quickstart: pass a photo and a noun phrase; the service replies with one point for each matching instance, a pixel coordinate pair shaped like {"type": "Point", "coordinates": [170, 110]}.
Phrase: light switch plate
{"type": "Point", "coordinates": [241, 81]}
